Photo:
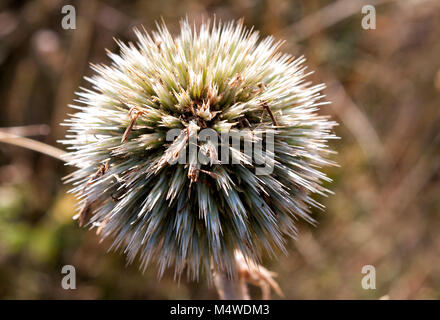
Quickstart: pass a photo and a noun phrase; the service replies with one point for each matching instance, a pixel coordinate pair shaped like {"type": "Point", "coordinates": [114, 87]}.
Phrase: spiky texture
{"type": "Point", "coordinates": [219, 76]}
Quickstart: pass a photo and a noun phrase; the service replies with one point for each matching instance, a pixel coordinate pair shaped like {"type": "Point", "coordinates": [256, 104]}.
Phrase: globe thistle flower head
{"type": "Point", "coordinates": [195, 214]}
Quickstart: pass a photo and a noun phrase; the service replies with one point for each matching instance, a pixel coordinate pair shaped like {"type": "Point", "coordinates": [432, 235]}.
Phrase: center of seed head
{"type": "Point", "coordinates": [199, 112]}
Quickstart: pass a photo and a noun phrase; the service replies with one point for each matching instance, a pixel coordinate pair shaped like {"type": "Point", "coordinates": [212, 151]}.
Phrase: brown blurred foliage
{"type": "Point", "coordinates": [384, 85]}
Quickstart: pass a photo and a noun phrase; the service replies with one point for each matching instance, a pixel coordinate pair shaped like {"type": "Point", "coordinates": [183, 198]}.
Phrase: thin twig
{"type": "Point", "coordinates": [328, 16]}
{"type": "Point", "coordinates": [227, 288]}
{"type": "Point", "coordinates": [355, 120]}
{"type": "Point", "coordinates": [32, 145]}
{"type": "Point", "coordinates": [26, 131]}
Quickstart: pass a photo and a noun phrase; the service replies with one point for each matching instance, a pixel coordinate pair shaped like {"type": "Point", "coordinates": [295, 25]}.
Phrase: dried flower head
{"type": "Point", "coordinates": [194, 215]}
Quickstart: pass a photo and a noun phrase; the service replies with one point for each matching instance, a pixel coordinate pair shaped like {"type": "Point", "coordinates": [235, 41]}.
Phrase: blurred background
{"type": "Point", "coordinates": [384, 85]}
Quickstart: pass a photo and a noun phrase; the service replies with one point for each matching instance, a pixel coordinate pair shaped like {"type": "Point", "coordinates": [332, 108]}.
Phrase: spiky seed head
{"type": "Point", "coordinates": [195, 215]}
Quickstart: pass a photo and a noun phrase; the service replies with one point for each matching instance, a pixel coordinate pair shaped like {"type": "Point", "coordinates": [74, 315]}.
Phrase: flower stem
{"type": "Point", "coordinates": [230, 288]}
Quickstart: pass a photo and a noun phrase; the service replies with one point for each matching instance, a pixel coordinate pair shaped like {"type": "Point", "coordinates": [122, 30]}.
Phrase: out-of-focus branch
{"type": "Point", "coordinates": [31, 130]}
{"type": "Point", "coordinates": [355, 120]}
{"type": "Point", "coordinates": [75, 63]}
{"type": "Point", "coordinates": [32, 145]}
{"type": "Point", "coordinates": [327, 16]}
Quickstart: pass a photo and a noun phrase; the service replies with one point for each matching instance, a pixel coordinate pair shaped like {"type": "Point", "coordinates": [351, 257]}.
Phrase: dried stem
{"type": "Point", "coordinates": [247, 272]}
{"type": "Point", "coordinates": [30, 130]}
{"type": "Point", "coordinates": [229, 288]}
{"type": "Point", "coordinates": [32, 145]}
